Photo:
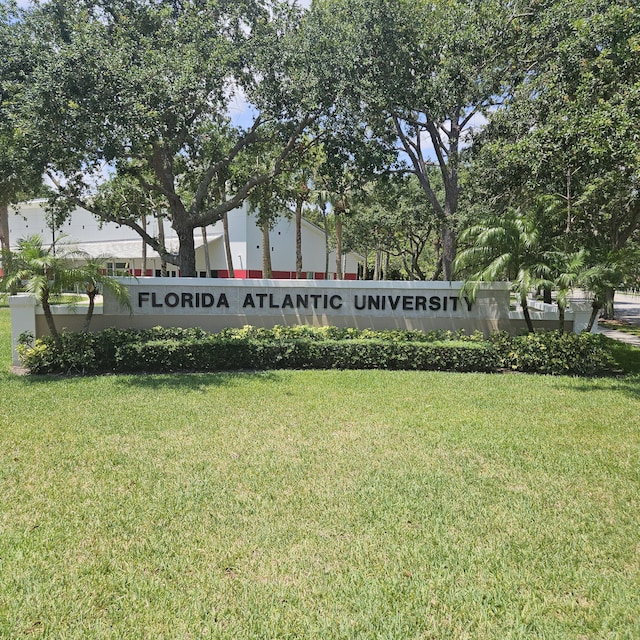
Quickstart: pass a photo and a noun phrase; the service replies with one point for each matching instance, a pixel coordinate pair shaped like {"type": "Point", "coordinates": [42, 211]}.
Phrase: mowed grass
{"type": "Point", "coordinates": [329, 504]}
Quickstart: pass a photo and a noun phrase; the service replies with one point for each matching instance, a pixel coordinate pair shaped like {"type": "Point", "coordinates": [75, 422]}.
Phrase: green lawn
{"type": "Point", "coordinates": [319, 505]}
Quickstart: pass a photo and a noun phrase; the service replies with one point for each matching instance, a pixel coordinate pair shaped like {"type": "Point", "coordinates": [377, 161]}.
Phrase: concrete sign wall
{"type": "Point", "coordinates": [214, 304]}
{"type": "Point", "coordinates": [361, 304]}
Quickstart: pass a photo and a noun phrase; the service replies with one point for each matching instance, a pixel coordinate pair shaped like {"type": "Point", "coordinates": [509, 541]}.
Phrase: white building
{"type": "Point", "coordinates": [123, 249]}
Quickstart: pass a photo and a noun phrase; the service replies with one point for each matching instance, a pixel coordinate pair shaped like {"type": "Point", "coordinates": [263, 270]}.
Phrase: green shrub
{"type": "Point", "coordinates": [79, 353]}
{"type": "Point", "coordinates": [174, 349]}
{"type": "Point", "coordinates": [348, 333]}
{"type": "Point", "coordinates": [39, 356]}
{"type": "Point", "coordinates": [555, 353]}
{"type": "Point", "coordinates": [208, 354]}
{"type": "Point", "coordinates": [227, 353]}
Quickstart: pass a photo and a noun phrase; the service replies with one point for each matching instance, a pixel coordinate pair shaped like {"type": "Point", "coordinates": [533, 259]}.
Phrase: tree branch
{"type": "Point", "coordinates": [126, 222]}
{"type": "Point", "coordinates": [215, 213]}
{"type": "Point", "coordinates": [205, 183]}
{"type": "Point", "coordinates": [420, 168]}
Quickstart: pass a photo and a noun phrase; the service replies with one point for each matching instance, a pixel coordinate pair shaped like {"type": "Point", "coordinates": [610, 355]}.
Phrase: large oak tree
{"type": "Point", "coordinates": [566, 146]}
{"type": "Point", "coordinates": [141, 94]}
{"type": "Point", "coordinates": [426, 71]}
{"type": "Point", "coordinates": [21, 162]}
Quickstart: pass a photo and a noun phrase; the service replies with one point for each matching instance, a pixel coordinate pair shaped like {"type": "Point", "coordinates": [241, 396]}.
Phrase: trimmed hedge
{"type": "Point", "coordinates": [224, 354]}
{"type": "Point", "coordinates": [554, 353]}
{"type": "Point", "coordinates": [162, 350]}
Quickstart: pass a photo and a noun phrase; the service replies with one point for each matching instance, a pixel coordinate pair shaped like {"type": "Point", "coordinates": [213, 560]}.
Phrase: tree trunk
{"type": "Point", "coordinates": [437, 272]}
{"type": "Point", "coordinates": [526, 314]}
{"type": "Point", "coordinates": [608, 312]}
{"type": "Point", "coordinates": [48, 316]}
{"type": "Point", "coordinates": [143, 221]}
{"type": "Point", "coordinates": [299, 201]}
{"type": "Point", "coordinates": [207, 258]}
{"type": "Point", "coordinates": [448, 251]}
{"type": "Point", "coordinates": [227, 245]}
{"type": "Point", "coordinates": [163, 262]}
{"type": "Point", "coordinates": [87, 319]}
{"type": "Point", "coordinates": [162, 163]}
{"type": "Point", "coordinates": [4, 227]}
{"type": "Point", "coordinates": [595, 310]}
{"type": "Point", "coordinates": [447, 160]}
{"type": "Point", "coordinates": [561, 310]}
{"type": "Point", "coordinates": [187, 252]}
{"type": "Point", "coordinates": [567, 229]}
{"type": "Point", "coordinates": [338, 247]}
{"type": "Point", "coordinates": [416, 271]}
{"type": "Point", "coordinates": [326, 242]}
{"type": "Point", "coordinates": [267, 271]}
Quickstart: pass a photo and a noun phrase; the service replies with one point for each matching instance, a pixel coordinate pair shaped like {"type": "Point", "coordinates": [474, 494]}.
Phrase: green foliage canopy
{"type": "Point", "coordinates": [142, 93]}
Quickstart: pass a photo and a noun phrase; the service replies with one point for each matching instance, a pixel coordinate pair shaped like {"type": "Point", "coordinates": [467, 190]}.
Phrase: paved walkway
{"type": "Point", "coordinates": [620, 335]}
{"type": "Point", "coordinates": [627, 309]}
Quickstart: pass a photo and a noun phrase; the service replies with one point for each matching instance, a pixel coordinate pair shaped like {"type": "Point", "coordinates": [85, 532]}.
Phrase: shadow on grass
{"type": "Point", "coordinates": [628, 359]}
{"type": "Point", "coordinates": [195, 380]}
{"type": "Point", "coordinates": [626, 355]}
{"type": "Point", "coordinates": [184, 380]}
{"type": "Point", "coordinates": [627, 385]}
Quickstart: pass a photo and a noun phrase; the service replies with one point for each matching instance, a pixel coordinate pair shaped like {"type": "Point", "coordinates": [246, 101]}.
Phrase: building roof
{"type": "Point", "coordinates": [130, 249]}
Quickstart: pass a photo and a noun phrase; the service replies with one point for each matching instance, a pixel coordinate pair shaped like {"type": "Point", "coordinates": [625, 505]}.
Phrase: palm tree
{"type": "Point", "coordinates": [92, 277]}
{"type": "Point", "coordinates": [301, 196]}
{"type": "Point", "coordinates": [505, 248]}
{"type": "Point", "coordinates": [37, 270]}
{"type": "Point", "coordinates": [566, 272]}
{"type": "Point", "coordinates": [605, 276]}
{"type": "Point", "coordinates": [321, 199]}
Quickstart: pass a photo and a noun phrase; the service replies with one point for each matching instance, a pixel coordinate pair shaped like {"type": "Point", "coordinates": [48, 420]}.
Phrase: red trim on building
{"type": "Point", "coordinates": [242, 274]}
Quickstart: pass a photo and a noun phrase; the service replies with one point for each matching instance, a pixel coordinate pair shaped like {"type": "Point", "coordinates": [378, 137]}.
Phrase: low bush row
{"type": "Point", "coordinates": [167, 350]}
{"type": "Point", "coordinates": [555, 353]}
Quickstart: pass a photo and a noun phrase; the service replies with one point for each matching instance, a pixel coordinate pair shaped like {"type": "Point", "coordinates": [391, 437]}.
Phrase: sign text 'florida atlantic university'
{"type": "Point", "coordinates": [262, 300]}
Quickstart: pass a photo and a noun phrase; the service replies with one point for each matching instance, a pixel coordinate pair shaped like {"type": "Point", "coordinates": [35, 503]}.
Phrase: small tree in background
{"type": "Point", "coordinates": [92, 277]}
{"type": "Point", "coordinates": [37, 270]}
{"type": "Point", "coordinates": [506, 248]}
{"type": "Point", "coordinates": [605, 276]}
{"type": "Point", "coordinates": [565, 272]}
